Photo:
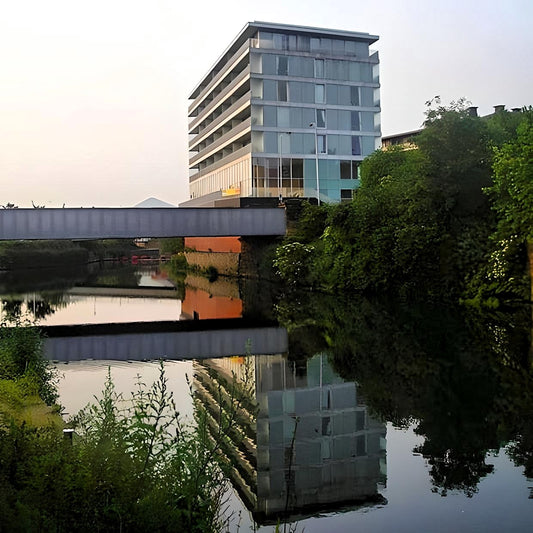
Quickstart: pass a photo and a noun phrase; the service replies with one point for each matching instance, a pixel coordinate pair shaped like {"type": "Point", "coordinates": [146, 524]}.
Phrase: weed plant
{"type": "Point", "coordinates": [133, 464]}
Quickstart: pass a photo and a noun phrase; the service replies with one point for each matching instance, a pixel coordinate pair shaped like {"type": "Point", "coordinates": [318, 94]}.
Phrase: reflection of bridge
{"type": "Point", "coordinates": [127, 292]}
{"type": "Point", "coordinates": [118, 223]}
{"type": "Point", "coordinates": [189, 339]}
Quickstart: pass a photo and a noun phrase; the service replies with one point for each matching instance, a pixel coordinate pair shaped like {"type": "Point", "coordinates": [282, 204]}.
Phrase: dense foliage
{"type": "Point", "coordinates": [512, 200]}
{"type": "Point", "coordinates": [34, 254]}
{"type": "Point", "coordinates": [421, 222]}
{"type": "Point", "coordinates": [22, 363]}
{"type": "Point", "coordinates": [131, 465]}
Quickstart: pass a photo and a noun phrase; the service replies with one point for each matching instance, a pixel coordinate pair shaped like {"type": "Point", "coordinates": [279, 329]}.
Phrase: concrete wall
{"type": "Point", "coordinates": [226, 263]}
{"type": "Point", "coordinates": [253, 261]}
{"type": "Point", "coordinates": [214, 244]}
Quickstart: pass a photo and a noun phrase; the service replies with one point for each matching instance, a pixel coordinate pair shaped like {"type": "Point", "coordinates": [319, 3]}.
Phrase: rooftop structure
{"type": "Point", "coordinates": [280, 105]}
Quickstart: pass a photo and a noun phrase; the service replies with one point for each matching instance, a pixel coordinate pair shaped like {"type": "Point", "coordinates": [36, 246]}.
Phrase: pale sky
{"type": "Point", "coordinates": [94, 95]}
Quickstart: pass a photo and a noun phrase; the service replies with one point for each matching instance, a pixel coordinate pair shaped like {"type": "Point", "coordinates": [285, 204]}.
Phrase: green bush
{"type": "Point", "coordinates": [21, 356]}
{"type": "Point", "coordinates": [133, 465]}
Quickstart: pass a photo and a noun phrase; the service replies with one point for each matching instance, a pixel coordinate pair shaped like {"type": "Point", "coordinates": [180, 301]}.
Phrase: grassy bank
{"type": "Point", "coordinates": [132, 465]}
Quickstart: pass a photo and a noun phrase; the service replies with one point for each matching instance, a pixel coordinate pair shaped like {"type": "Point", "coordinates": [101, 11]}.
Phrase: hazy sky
{"type": "Point", "coordinates": [93, 95]}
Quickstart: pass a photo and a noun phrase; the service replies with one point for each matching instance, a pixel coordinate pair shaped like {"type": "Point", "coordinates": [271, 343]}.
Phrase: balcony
{"type": "Point", "coordinates": [241, 80]}
{"type": "Point", "coordinates": [222, 162]}
{"type": "Point", "coordinates": [231, 113]}
{"type": "Point", "coordinates": [228, 67]}
{"type": "Point", "coordinates": [231, 136]}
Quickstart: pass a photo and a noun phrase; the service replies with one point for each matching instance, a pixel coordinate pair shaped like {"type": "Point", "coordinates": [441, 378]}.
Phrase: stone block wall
{"type": "Point", "coordinates": [226, 263]}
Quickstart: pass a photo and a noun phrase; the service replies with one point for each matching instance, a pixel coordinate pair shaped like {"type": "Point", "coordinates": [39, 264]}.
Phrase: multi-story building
{"type": "Point", "coordinates": [281, 104]}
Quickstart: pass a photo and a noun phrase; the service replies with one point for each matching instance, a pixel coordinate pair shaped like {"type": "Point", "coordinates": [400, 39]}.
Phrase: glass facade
{"type": "Point", "coordinates": [313, 104]}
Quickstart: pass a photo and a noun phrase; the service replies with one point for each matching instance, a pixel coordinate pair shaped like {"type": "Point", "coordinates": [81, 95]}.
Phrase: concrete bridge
{"type": "Point", "coordinates": [125, 223]}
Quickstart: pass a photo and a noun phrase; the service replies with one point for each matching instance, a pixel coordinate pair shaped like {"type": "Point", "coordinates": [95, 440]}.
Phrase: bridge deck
{"type": "Point", "coordinates": [120, 223]}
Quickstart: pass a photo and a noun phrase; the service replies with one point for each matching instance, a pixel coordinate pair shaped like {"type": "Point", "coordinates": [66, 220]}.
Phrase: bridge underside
{"type": "Point", "coordinates": [123, 223]}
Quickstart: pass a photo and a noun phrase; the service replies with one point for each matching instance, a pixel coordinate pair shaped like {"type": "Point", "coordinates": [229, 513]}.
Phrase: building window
{"type": "Point", "coordinates": [321, 118]}
{"type": "Point", "coordinates": [346, 170]}
{"type": "Point", "coordinates": [321, 141]}
{"type": "Point", "coordinates": [355, 170]}
{"type": "Point", "coordinates": [269, 116]}
{"type": "Point", "coordinates": [281, 41]}
{"type": "Point", "coordinates": [355, 121]}
{"type": "Point", "coordinates": [283, 117]}
{"type": "Point", "coordinates": [282, 65]}
{"type": "Point", "coordinates": [303, 43]}
{"type": "Point", "coordinates": [319, 68]}
{"type": "Point", "coordinates": [360, 445]}
{"type": "Point", "coordinates": [346, 195]}
{"type": "Point", "coordinates": [269, 90]}
{"type": "Point", "coordinates": [338, 47]}
{"type": "Point", "coordinates": [282, 91]}
{"type": "Point", "coordinates": [356, 145]}
{"type": "Point", "coordinates": [298, 168]}
{"type": "Point", "coordinates": [320, 93]}
{"type": "Point", "coordinates": [354, 95]}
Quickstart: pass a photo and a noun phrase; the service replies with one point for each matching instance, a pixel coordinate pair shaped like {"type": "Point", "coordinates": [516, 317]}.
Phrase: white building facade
{"type": "Point", "coordinates": [282, 103]}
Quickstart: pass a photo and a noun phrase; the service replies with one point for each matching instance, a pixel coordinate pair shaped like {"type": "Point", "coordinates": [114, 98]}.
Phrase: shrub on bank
{"type": "Point", "coordinates": [132, 465]}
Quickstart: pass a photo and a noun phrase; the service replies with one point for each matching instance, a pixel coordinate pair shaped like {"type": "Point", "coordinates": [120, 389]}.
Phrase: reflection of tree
{"type": "Point", "coordinates": [41, 279]}
{"type": "Point", "coordinates": [45, 304]}
{"type": "Point", "coordinates": [42, 309]}
{"type": "Point", "coordinates": [521, 450]}
{"type": "Point", "coordinates": [465, 379]}
{"type": "Point", "coordinates": [12, 309]}
{"type": "Point", "coordinates": [117, 275]}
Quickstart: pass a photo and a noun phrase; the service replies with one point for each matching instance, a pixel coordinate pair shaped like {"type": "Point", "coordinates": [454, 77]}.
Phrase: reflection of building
{"type": "Point", "coordinates": [281, 102]}
{"type": "Point", "coordinates": [313, 445]}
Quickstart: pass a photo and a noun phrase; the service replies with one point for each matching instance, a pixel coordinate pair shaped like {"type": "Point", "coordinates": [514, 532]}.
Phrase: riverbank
{"type": "Point", "coordinates": [44, 254]}
{"type": "Point", "coordinates": [124, 468]}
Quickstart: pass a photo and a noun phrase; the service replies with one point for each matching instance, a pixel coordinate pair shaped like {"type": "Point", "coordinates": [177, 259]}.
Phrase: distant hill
{"type": "Point", "coordinates": [154, 202]}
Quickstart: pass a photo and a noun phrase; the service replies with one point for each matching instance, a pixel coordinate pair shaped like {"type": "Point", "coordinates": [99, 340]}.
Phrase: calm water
{"type": "Point", "coordinates": [377, 417]}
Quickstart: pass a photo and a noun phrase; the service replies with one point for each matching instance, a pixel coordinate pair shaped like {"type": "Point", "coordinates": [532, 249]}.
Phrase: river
{"type": "Point", "coordinates": [372, 416]}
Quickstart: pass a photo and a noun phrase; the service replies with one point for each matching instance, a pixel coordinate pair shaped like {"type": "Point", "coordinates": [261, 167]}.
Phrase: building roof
{"type": "Point", "coordinates": [251, 27]}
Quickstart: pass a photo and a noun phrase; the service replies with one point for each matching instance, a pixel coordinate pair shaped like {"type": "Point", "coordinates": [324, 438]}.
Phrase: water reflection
{"type": "Point", "coordinates": [90, 294]}
{"type": "Point", "coordinates": [464, 380]}
{"type": "Point", "coordinates": [451, 391]}
{"type": "Point", "coordinates": [312, 445]}
{"type": "Point", "coordinates": [115, 293]}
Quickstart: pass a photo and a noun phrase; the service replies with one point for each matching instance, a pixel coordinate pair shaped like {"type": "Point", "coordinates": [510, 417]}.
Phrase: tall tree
{"type": "Point", "coordinates": [458, 146]}
{"type": "Point", "coordinates": [512, 196]}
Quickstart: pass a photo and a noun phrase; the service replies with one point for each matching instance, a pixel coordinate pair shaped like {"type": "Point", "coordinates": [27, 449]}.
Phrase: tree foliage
{"type": "Point", "coordinates": [506, 274]}
{"type": "Point", "coordinates": [420, 221]}
{"type": "Point", "coordinates": [512, 190]}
